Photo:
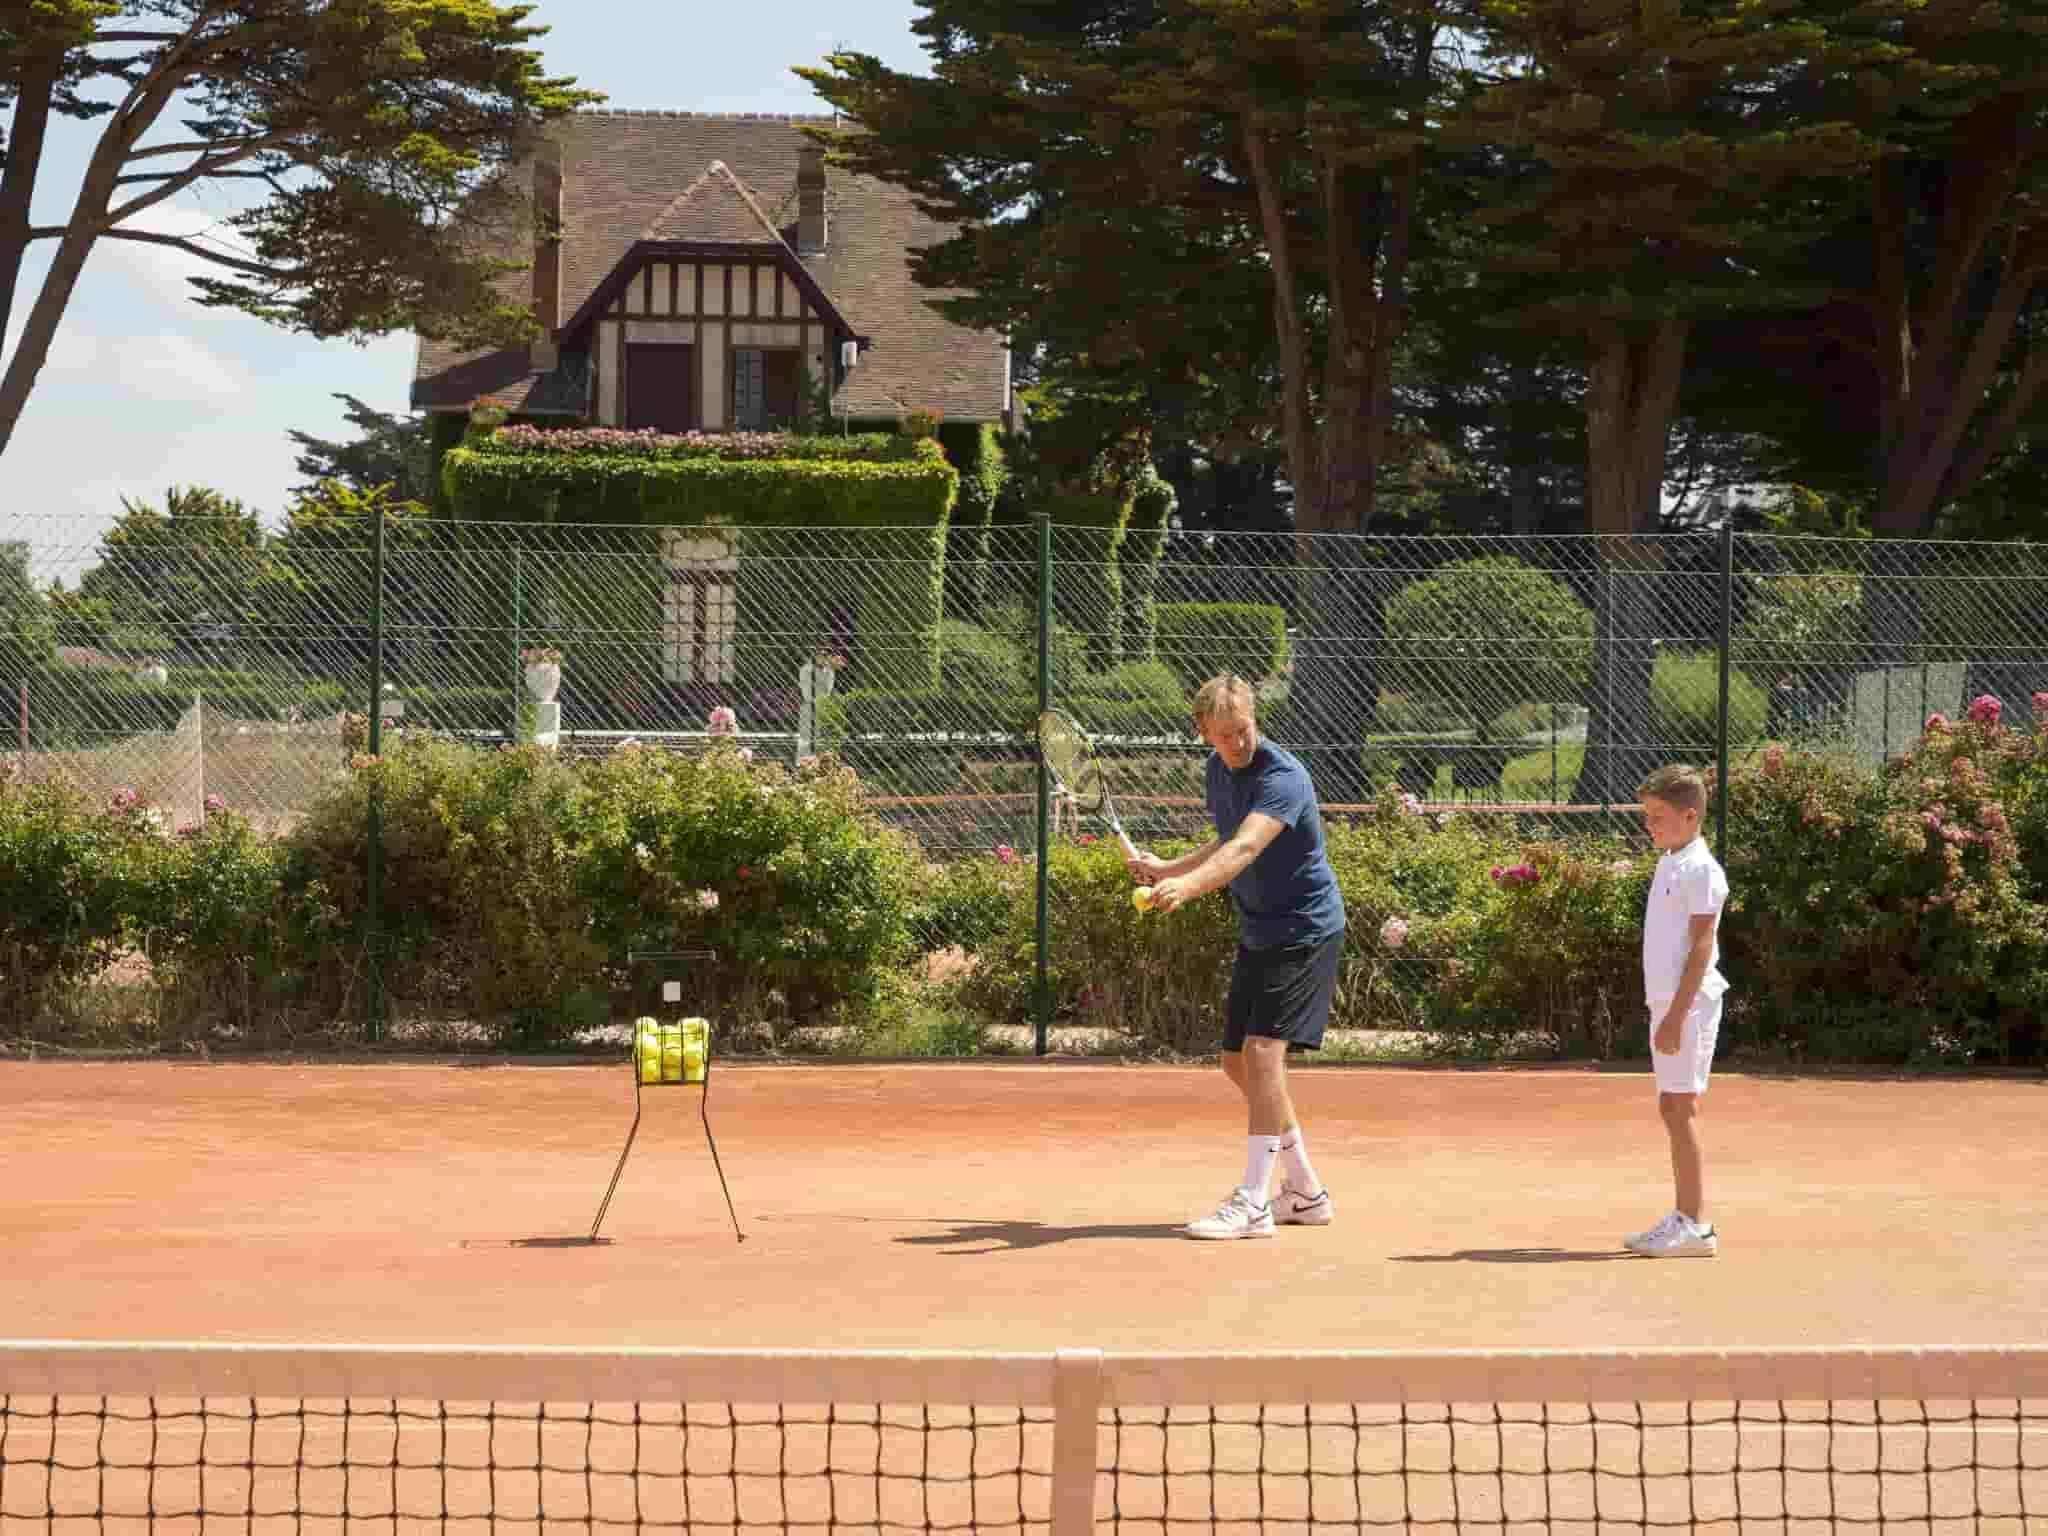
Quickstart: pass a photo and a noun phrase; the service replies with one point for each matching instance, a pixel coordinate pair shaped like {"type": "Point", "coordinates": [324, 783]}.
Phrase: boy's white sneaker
{"type": "Point", "coordinates": [1677, 1236]}
{"type": "Point", "coordinates": [1291, 1208]}
{"type": "Point", "coordinates": [1238, 1216]}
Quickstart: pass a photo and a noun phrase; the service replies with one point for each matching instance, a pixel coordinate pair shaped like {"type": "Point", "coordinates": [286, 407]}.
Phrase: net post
{"type": "Point", "coordinates": [1076, 1410]}
{"type": "Point", "coordinates": [373, 922]}
{"type": "Point", "coordinates": [1042, 1003]}
{"type": "Point", "coordinates": [1726, 640]}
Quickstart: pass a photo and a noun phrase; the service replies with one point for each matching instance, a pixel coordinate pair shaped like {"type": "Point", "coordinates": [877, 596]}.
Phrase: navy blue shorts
{"type": "Point", "coordinates": [1283, 993]}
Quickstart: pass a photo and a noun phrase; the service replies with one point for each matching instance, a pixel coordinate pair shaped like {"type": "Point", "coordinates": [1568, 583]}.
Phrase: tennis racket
{"type": "Point", "coordinates": [1076, 774]}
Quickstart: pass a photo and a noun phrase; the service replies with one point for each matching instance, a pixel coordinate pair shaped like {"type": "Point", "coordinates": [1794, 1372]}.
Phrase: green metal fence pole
{"type": "Point", "coordinates": [518, 670]}
{"type": "Point", "coordinates": [1044, 998]}
{"type": "Point", "coordinates": [373, 924]}
{"type": "Point", "coordinates": [1727, 636]}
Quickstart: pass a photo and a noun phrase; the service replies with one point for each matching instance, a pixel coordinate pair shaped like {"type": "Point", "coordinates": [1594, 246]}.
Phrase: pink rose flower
{"type": "Point", "coordinates": [1985, 709]}
{"type": "Point", "coordinates": [1005, 854]}
{"type": "Point", "coordinates": [1394, 932]}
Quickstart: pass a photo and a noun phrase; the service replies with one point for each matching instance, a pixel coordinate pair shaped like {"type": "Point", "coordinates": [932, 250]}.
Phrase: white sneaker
{"type": "Point", "coordinates": [1291, 1208]}
{"type": "Point", "coordinates": [1236, 1217]}
{"type": "Point", "coordinates": [1677, 1237]}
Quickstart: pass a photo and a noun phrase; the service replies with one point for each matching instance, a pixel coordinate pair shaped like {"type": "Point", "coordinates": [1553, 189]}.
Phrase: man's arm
{"type": "Point", "coordinates": [1219, 864]}
{"type": "Point", "coordinates": [1151, 869]}
{"type": "Point", "coordinates": [1698, 957]}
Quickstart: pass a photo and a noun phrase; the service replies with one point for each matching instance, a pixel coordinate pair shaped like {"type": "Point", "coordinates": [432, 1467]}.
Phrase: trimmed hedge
{"type": "Point", "coordinates": [873, 447]}
{"type": "Point", "coordinates": [1199, 640]}
{"type": "Point", "coordinates": [1087, 586]}
{"type": "Point", "coordinates": [976, 451]}
{"type": "Point", "coordinates": [1152, 507]}
{"type": "Point", "coordinates": [894, 604]}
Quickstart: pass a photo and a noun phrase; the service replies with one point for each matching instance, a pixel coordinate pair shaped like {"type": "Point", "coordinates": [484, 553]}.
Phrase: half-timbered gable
{"type": "Point", "coordinates": [712, 273]}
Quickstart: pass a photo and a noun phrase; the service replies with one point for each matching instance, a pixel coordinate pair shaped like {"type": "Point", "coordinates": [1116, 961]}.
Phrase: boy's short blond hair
{"type": "Point", "coordinates": [1676, 785]}
{"type": "Point", "coordinates": [1223, 694]}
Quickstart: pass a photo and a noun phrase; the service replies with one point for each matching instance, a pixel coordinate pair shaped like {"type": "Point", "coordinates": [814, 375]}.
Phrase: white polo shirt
{"type": "Point", "coordinates": [1689, 883]}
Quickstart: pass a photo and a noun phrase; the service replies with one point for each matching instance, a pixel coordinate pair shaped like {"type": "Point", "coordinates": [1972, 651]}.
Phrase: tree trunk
{"type": "Point", "coordinates": [18, 180]}
{"type": "Point", "coordinates": [1631, 393]}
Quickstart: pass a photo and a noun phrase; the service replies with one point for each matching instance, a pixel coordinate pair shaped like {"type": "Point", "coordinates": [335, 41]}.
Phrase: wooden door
{"type": "Point", "coordinates": [661, 387]}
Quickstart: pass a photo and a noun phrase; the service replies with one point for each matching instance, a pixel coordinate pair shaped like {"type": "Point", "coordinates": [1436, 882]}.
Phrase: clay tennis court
{"type": "Point", "coordinates": [1013, 1206]}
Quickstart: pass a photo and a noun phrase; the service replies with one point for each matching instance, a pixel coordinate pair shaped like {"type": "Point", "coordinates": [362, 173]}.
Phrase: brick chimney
{"type": "Point", "coordinates": [547, 251]}
{"type": "Point", "coordinates": [811, 232]}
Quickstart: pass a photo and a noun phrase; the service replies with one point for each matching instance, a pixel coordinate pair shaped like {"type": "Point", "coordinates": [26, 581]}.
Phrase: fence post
{"type": "Point", "coordinates": [1076, 1415]}
{"type": "Point", "coordinates": [1043, 1002]}
{"type": "Point", "coordinates": [518, 667]}
{"type": "Point", "coordinates": [1727, 641]}
{"type": "Point", "coordinates": [373, 923]}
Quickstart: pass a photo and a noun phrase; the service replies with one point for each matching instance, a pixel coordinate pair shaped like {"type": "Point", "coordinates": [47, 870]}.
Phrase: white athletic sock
{"type": "Point", "coordinates": [1260, 1153]}
{"type": "Point", "coordinates": [1301, 1173]}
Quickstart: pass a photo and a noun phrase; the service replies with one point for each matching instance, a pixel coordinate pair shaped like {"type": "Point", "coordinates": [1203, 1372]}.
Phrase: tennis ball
{"type": "Point", "coordinates": [696, 1034]}
{"type": "Point", "coordinates": [646, 1050]}
{"type": "Point", "coordinates": [1141, 898]}
{"type": "Point", "coordinates": [671, 1054]}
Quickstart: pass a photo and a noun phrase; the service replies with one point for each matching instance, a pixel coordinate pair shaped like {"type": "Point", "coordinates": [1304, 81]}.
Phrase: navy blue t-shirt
{"type": "Point", "coordinates": [1288, 894]}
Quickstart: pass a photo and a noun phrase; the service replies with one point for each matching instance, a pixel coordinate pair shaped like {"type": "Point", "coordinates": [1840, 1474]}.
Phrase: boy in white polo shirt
{"type": "Point", "coordinates": [1683, 985]}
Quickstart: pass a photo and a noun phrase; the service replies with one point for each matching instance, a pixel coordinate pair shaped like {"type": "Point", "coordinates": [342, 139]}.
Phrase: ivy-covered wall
{"type": "Point", "coordinates": [775, 500]}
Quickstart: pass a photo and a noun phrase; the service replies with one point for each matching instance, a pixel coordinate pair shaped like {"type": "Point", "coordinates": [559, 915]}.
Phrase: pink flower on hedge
{"type": "Point", "coordinates": [2041, 707]}
{"type": "Point", "coordinates": [124, 800]}
{"type": "Point", "coordinates": [1515, 874]}
{"type": "Point", "coordinates": [1620, 867]}
{"type": "Point", "coordinates": [1394, 932]}
{"type": "Point", "coordinates": [214, 805]}
{"type": "Point", "coordinates": [708, 900]}
{"type": "Point", "coordinates": [1936, 722]}
{"type": "Point", "coordinates": [1774, 761]}
{"type": "Point", "coordinates": [1005, 854]}
{"type": "Point", "coordinates": [1985, 709]}
{"type": "Point", "coordinates": [1496, 872]}
{"type": "Point", "coordinates": [1410, 806]}
{"type": "Point", "coordinates": [723, 722]}
{"type": "Point", "coordinates": [1086, 838]}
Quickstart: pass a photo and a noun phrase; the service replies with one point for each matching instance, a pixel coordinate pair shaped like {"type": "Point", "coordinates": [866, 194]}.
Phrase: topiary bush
{"type": "Point", "coordinates": [1200, 640]}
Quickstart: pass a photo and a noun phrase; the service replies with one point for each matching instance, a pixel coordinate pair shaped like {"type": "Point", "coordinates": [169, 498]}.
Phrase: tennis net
{"type": "Point", "coordinates": [216, 1438]}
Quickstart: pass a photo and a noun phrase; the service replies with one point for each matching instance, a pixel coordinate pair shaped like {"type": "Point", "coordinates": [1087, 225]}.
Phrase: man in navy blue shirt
{"type": "Point", "coordinates": [1269, 850]}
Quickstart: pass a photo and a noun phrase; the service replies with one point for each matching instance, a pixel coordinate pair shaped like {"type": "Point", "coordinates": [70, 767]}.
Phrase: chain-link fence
{"type": "Point", "coordinates": [194, 662]}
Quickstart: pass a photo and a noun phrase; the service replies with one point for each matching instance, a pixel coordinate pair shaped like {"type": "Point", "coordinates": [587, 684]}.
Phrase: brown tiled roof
{"type": "Point", "coordinates": [714, 208]}
{"type": "Point", "coordinates": [629, 176]}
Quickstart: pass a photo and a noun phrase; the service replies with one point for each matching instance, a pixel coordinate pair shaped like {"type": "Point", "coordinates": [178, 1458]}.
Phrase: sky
{"type": "Point", "coordinates": [144, 390]}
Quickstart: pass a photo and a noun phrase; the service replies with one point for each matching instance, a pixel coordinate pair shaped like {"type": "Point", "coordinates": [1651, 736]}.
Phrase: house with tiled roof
{"type": "Point", "coordinates": [704, 272]}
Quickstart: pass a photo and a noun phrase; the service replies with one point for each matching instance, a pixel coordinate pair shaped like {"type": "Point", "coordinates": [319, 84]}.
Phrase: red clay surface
{"type": "Point", "coordinates": [1000, 1206]}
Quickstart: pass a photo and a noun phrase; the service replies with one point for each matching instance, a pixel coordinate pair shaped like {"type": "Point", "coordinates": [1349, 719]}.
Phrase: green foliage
{"type": "Point", "coordinates": [209, 906]}
{"type": "Point", "coordinates": [481, 908]}
{"type": "Point", "coordinates": [389, 451]}
{"type": "Point", "coordinates": [812, 894]}
{"type": "Point", "coordinates": [975, 664]}
{"type": "Point", "coordinates": [777, 627]}
{"type": "Point", "coordinates": [1152, 508]}
{"type": "Point", "coordinates": [383, 131]}
{"type": "Point", "coordinates": [1685, 704]}
{"type": "Point", "coordinates": [67, 868]}
{"type": "Point", "coordinates": [1087, 592]}
{"type": "Point", "coordinates": [1488, 634]}
{"type": "Point", "coordinates": [976, 451]}
{"type": "Point", "coordinates": [28, 628]}
{"type": "Point", "coordinates": [1791, 619]}
{"type": "Point", "coordinates": [1910, 886]}
{"type": "Point", "coordinates": [1201, 640]}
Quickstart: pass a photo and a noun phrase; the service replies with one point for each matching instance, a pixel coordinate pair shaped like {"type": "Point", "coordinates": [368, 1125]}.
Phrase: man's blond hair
{"type": "Point", "coordinates": [1223, 694]}
{"type": "Point", "coordinates": [1677, 785]}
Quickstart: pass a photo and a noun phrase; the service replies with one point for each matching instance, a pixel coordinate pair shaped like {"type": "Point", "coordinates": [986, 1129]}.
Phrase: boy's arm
{"type": "Point", "coordinates": [1698, 957]}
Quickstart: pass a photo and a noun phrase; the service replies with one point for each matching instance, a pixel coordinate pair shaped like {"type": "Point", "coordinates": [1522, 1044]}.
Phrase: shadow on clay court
{"type": "Point", "coordinates": [1015, 1236]}
{"type": "Point", "coordinates": [1515, 1256]}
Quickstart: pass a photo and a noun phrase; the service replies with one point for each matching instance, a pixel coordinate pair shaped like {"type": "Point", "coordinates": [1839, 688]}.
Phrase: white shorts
{"type": "Point", "coordinates": [1687, 1069]}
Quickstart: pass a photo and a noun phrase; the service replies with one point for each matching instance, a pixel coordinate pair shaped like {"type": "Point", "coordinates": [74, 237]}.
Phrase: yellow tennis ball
{"type": "Point", "coordinates": [646, 1050]}
{"type": "Point", "coordinates": [671, 1054]}
{"type": "Point", "coordinates": [1141, 898]}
